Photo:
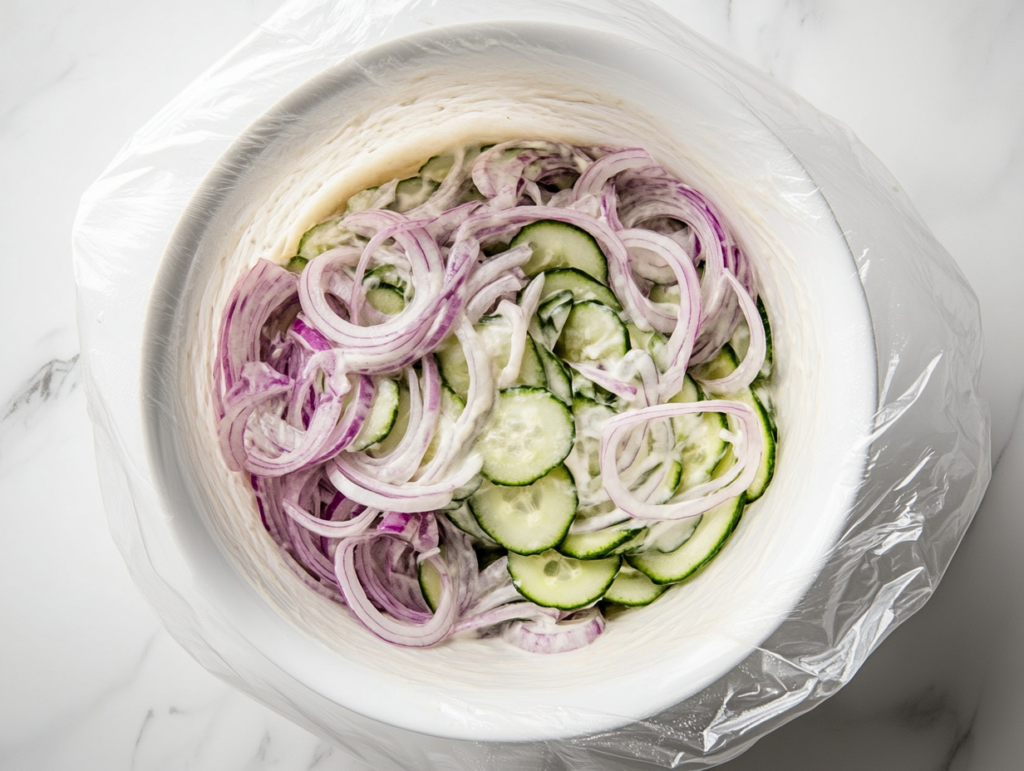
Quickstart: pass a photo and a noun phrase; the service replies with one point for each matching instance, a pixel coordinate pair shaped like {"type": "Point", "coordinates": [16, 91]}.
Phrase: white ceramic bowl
{"type": "Point", "coordinates": [386, 111]}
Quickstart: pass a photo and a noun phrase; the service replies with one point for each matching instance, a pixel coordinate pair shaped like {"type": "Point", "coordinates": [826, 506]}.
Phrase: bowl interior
{"type": "Point", "coordinates": [385, 111]}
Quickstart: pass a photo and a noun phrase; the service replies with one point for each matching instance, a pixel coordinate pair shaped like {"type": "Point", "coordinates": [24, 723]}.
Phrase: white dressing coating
{"type": "Point", "coordinates": [713, 620]}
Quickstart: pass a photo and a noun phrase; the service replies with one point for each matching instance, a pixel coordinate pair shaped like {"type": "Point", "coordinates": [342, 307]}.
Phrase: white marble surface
{"type": "Point", "coordinates": [88, 679]}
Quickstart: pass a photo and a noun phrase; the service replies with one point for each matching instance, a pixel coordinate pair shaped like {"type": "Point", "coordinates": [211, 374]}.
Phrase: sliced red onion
{"type": "Point", "coordinates": [753, 360]}
{"type": "Point", "coordinates": [386, 627]}
{"type": "Point", "coordinates": [542, 635]}
{"type": "Point", "coordinates": [592, 181]}
{"type": "Point", "coordinates": [747, 447]}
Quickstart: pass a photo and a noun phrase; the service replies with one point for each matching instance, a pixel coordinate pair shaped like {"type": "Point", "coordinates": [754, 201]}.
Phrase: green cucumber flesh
{"type": "Point", "coordinates": [599, 543]}
{"type": "Point", "coordinates": [560, 245]}
{"type": "Point", "coordinates": [558, 379]}
{"type": "Point", "coordinates": [655, 343]}
{"type": "Point", "coordinates": [528, 433]}
{"type": "Point", "coordinates": [633, 589]}
{"type": "Point", "coordinates": [430, 585]}
{"type": "Point", "coordinates": [593, 332]}
{"type": "Point", "coordinates": [711, 534]}
{"type": "Point", "coordinates": [463, 519]}
{"type": "Point", "coordinates": [412, 192]}
{"type": "Point", "coordinates": [553, 580]}
{"type": "Point", "coordinates": [452, 362]}
{"type": "Point", "coordinates": [698, 438]}
{"type": "Point", "coordinates": [319, 238]}
{"type": "Point", "coordinates": [725, 362]}
{"type": "Point", "coordinates": [528, 519]}
{"type": "Point", "coordinates": [383, 415]}
{"type": "Point", "coordinates": [390, 441]}
{"type": "Point", "coordinates": [665, 293]}
{"type": "Point", "coordinates": [386, 299]}
{"type": "Point", "coordinates": [582, 287]}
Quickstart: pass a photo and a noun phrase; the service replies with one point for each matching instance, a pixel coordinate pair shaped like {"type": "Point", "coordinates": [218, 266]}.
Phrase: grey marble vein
{"type": "Point", "coordinates": [54, 379]}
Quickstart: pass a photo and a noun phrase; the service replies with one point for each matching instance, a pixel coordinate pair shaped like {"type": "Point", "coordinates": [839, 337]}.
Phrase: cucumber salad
{"type": "Point", "coordinates": [508, 393]}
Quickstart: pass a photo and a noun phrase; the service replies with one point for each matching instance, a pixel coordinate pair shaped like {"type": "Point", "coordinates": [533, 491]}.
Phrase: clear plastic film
{"type": "Point", "coordinates": [909, 472]}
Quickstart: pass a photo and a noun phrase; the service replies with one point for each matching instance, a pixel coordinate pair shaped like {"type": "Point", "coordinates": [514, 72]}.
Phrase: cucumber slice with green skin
{"type": "Point", "coordinates": [589, 417]}
{"type": "Point", "coordinates": [362, 201]}
{"type": "Point", "coordinates": [559, 245]}
{"type": "Point", "coordinates": [555, 303]}
{"type": "Point", "coordinates": [665, 293]}
{"type": "Point", "coordinates": [430, 584]}
{"type": "Point", "coordinates": [698, 438]}
{"type": "Point", "coordinates": [553, 580]}
{"type": "Point", "coordinates": [390, 441]}
{"type": "Point", "coordinates": [463, 519]}
{"type": "Point", "coordinates": [558, 380]}
{"type": "Point", "coordinates": [593, 332]}
{"type": "Point", "coordinates": [653, 342]}
{"type": "Point", "coordinates": [669, 536]}
{"type": "Point", "coordinates": [319, 238]}
{"type": "Point", "coordinates": [711, 534]}
{"type": "Point", "coordinates": [438, 167]}
{"type": "Point", "coordinates": [720, 366]}
{"type": "Point", "coordinates": [632, 588]}
{"type": "Point", "coordinates": [600, 543]}
{"type": "Point", "coordinates": [528, 433]}
{"type": "Point", "coordinates": [531, 518]}
{"type": "Point", "coordinates": [496, 334]}
{"type": "Point", "coordinates": [452, 404]}
{"type": "Point", "coordinates": [453, 365]}
{"type": "Point", "coordinates": [582, 286]}
{"type": "Point", "coordinates": [551, 316]}
{"type": "Point", "coordinates": [382, 417]}
{"type": "Point", "coordinates": [412, 192]}
{"type": "Point", "coordinates": [386, 299]}
{"type": "Point", "coordinates": [386, 275]}
{"type": "Point", "coordinates": [297, 264]}
{"type": "Point", "coordinates": [741, 339]}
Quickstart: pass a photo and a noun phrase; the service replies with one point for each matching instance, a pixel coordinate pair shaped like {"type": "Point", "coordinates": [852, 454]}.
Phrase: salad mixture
{"type": "Point", "coordinates": [503, 395]}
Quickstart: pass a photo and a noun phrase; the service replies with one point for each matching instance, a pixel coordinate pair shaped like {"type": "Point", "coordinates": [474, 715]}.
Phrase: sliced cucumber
{"type": "Point", "coordinates": [437, 168]}
{"type": "Point", "coordinates": [386, 299]}
{"type": "Point", "coordinates": [633, 588]}
{"type": "Point", "coordinates": [714, 529]}
{"type": "Point", "coordinates": [559, 245]}
{"type": "Point", "coordinates": [463, 519]}
{"type": "Point", "coordinates": [668, 536]}
{"type": "Point", "coordinates": [430, 584]}
{"type": "Point", "coordinates": [381, 420]}
{"type": "Point", "coordinates": [653, 342]}
{"type": "Point", "coordinates": [363, 200]}
{"type": "Point", "coordinates": [593, 332]}
{"type": "Point", "coordinates": [412, 192]}
{"type": "Point", "coordinates": [528, 433]}
{"type": "Point", "coordinates": [582, 287]}
{"type": "Point", "coordinates": [452, 404]}
{"type": "Point", "coordinates": [390, 441]}
{"type": "Point", "coordinates": [551, 316]}
{"type": "Point", "coordinates": [297, 264]}
{"type": "Point", "coordinates": [698, 438]}
{"type": "Point", "coordinates": [496, 335]}
{"type": "Point", "coordinates": [555, 581]}
{"type": "Point", "coordinates": [725, 362]}
{"type": "Point", "coordinates": [589, 417]}
{"type": "Point", "coordinates": [556, 377]}
{"type": "Point", "coordinates": [665, 293]}
{"type": "Point", "coordinates": [319, 238]}
{"type": "Point", "coordinates": [452, 362]}
{"type": "Point", "coordinates": [600, 543]}
{"type": "Point", "coordinates": [531, 518]}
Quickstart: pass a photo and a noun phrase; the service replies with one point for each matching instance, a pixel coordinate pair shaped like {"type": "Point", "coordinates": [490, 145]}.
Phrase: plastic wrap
{"type": "Point", "coordinates": [919, 457]}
